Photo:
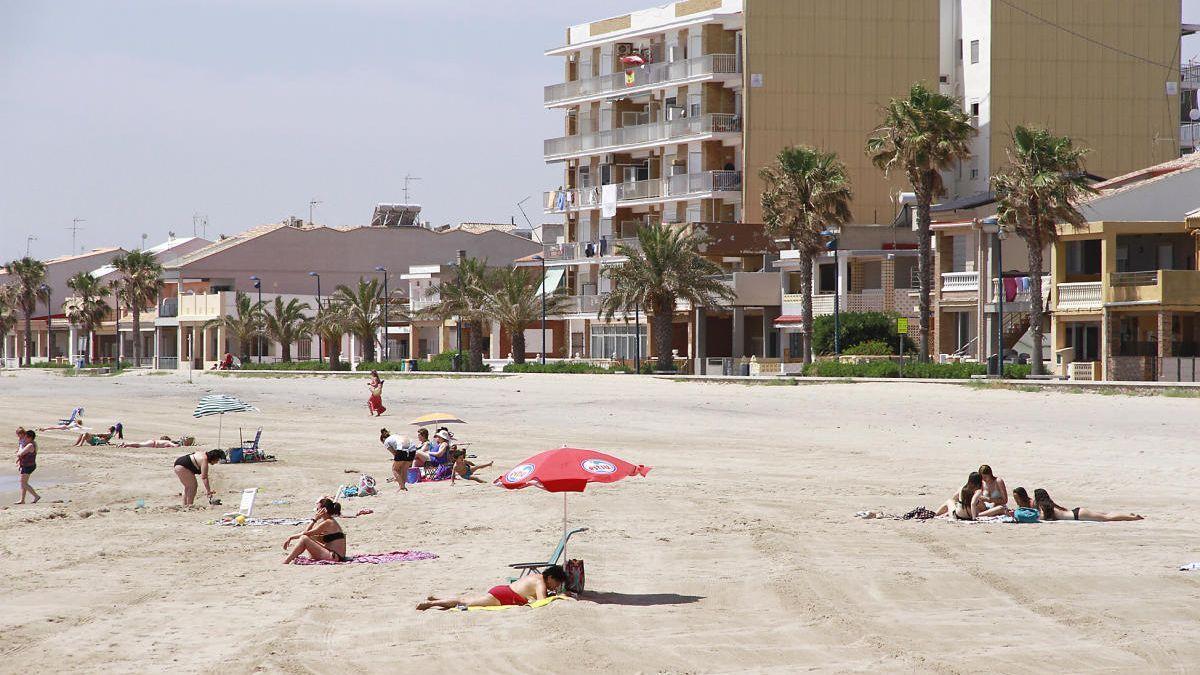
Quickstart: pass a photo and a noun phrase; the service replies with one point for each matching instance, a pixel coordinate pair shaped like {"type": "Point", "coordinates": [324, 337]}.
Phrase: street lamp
{"type": "Point", "coordinates": [320, 351]}
{"type": "Point", "coordinates": [832, 245]}
{"type": "Point", "coordinates": [542, 260]}
{"type": "Point", "coordinates": [637, 339]}
{"type": "Point", "coordinates": [386, 350]}
{"type": "Point", "coordinates": [458, 317]}
{"type": "Point", "coordinates": [258, 285]}
{"type": "Point", "coordinates": [991, 225]}
{"type": "Point", "coordinates": [45, 290]}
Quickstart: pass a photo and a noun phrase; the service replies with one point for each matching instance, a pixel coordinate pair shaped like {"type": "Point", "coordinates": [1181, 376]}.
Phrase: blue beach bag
{"type": "Point", "coordinates": [1025, 514]}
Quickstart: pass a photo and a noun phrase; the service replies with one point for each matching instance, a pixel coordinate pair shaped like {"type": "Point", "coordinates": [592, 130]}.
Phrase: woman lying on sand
{"type": "Point", "coordinates": [465, 469]}
{"type": "Point", "coordinates": [188, 467]}
{"type": "Point", "coordinates": [1048, 510]}
{"type": "Point", "coordinates": [161, 442]}
{"type": "Point", "coordinates": [73, 425]}
{"type": "Point", "coordinates": [100, 439]}
{"type": "Point", "coordinates": [324, 538]}
{"type": "Point", "coordinates": [527, 589]}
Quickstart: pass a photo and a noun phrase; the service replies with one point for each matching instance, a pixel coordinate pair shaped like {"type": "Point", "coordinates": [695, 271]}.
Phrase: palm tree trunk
{"type": "Point", "coordinates": [924, 266]}
{"type": "Point", "coordinates": [1036, 310]}
{"type": "Point", "coordinates": [286, 347]}
{"type": "Point", "coordinates": [806, 308]}
{"type": "Point", "coordinates": [518, 345]}
{"type": "Point", "coordinates": [244, 348]}
{"type": "Point", "coordinates": [368, 346]}
{"type": "Point", "coordinates": [476, 346]}
{"type": "Point", "coordinates": [137, 336]}
{"type": "Point", "coordinates": [664, 316]}
{"type": "Point", "coordinates": [28, 339]}
{"type": "Point", "coordinates": [333, 350]}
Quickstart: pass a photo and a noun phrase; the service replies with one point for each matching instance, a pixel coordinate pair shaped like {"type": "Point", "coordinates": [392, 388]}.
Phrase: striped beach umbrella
{"type": "Point", "coordinates": [219, 404]}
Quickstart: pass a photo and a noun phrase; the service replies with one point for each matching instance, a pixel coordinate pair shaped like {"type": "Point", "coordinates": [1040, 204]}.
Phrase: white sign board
{"type": "Point", "coordinates": [247, 506]}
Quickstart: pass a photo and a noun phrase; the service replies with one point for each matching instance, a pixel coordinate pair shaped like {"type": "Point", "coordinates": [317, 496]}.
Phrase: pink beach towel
{"type": "Point", "coordinates": [372, 558]}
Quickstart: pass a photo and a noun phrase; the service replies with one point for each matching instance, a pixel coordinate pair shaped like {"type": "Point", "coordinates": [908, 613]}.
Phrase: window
{"type": "Point", "coordinates": [974, 174]}
{"type": "Point", "coordinates": [616, 340]}
{"type": "Point", "coordinates": [974, 51]}
{"type": "Point", "coordinates": [1083, 257]}
{"type": "Point", "coordinates": [826, 278]}
{"type": "Point", "coordinates": [975, 109]}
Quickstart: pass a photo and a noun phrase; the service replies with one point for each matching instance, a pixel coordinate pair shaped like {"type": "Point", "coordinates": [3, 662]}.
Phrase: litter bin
{"type": "Point", "coordinates": [456, 363]}
{"type": "Point", "coordinates": [744, 369]}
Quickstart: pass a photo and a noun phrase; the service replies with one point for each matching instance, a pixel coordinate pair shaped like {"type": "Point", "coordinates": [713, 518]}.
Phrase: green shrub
{"type": "Point", "coordinates": [940, 371]}
{"type": "Point", "coordinates": [291, 365]}
{"type": "Point", "coordinates": [872, 348]}
{"type": "Point", "coordinates": [856, 328]}
{"type": "Point", "coordinates": [1016, 371]}
{"type": "Point", "coordinates": [443, 362]}
{"type": "Point", "coordinates": [50, 364]}
{"type": "Point", "coordinates": [571, 367]}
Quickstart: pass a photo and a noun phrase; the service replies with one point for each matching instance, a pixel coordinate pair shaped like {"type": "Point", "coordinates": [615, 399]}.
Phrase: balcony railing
{"type": "Point", "coordinates": [672, 187]}
{"type": "Point", "coordinates": [953, 282]}
{"type": "Point", "coordinates": [1080, 295]}
{"type": "Point", "coordinates": [655, 132]}
{"type": "Point", "coordinates": [169, 307]}
{"type": "Point", "coordinates": [419, 304]}
{"type": "Point", "coordinates": [586, 250]}
{"type": "Point", "coordinates": [582, 304]}
{"type": "Point", "coordinates": [654, 74]}
{"type": "Point", "coordinates": [1022, 294]}
{"type": "Point", "coordinates": [168, 362]}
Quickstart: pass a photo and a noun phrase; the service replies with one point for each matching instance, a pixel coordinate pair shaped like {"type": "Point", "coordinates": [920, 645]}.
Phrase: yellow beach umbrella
{"type": "Point", "coordinates": [437, 418]}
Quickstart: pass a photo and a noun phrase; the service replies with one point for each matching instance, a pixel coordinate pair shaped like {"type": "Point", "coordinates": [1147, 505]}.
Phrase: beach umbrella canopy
{"type": "Point", "coordinates": [437, 418]}
{"type": "Point", "coordinates": [568, 470]}
{"type": "Point", "coordinates": [219, 404]}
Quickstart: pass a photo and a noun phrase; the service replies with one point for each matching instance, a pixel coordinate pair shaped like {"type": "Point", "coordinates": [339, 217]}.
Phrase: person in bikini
{"type": "Point", "coordinates": [466, 470]}
{"type": "Point", "coordinates": [324, 539]}
{"type": "Point", "coordinates": [195, 464]}
{"type": "Point", "coordinates": [99, 439]}
{"type": "Point", "coordinates": [527, 589]}
{"type": "Point", "coordinates": [160, 442]}
{"type": "Point", "coordinates": [27, 462]}
{"type": "Point", "coordinates": [1048, 510]}
{"type": "Point", "coordinates": [995, 492]}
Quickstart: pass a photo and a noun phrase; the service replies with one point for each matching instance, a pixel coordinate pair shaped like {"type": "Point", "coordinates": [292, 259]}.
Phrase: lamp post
{"type": "Point", "coordinates": [992, 226]}
{"type": "Point", "coordinates": [320, 351]}
{"type": "Point", "coordinates": [386, 350]}
{"type": "Point", "coordinates": [637, 339]}
{"type": "Point", "coordinates": [832, 245]}
{"type": "Point", "coordinates": [542, 260]}
{"type": "Point", "coordinates": [258, 285]}
{"type": "Point", "coordinates": [457, 317]}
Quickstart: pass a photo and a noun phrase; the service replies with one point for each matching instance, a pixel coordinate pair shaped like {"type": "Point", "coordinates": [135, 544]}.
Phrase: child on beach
{"type": "Point", "coordinates": [27, 462]}
{"type": "Point", "coordinates": [527, 589]}
{"type": "Point", "coordinates": [465, 469]}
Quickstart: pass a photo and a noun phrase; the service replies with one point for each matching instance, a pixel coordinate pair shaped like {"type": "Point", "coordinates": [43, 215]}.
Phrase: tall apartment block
{"type": "Point", "coordinates": [669, 113]}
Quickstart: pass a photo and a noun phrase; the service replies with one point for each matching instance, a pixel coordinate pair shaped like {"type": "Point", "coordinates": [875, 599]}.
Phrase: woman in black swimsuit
{"type": "Point", "coordinates": [188, 467]}
{"type": "Point", "coordinates": [324, 538]}
{"type": "Point", "coordinates": [1051, 511]}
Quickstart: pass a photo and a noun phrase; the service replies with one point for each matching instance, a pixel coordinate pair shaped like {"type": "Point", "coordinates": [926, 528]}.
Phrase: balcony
{"type": "Point", "coordinates": [648, 135]}
{"type": "Point", "coordinates": [957, 282]}
{"type": "Point", "coordinates": [1158, 287]}
{"type": "Point", "coordinates": [421, 304]}
{"type": "Point", "coordinates": [869, 300]}
{"type": "Point", "coordinates": [582, 304]}
{"type": "Point", "coordinates": [710, 184]}
{"type": "Point", "coordinates": [753, 289]}
{"type": "Point", "coordinates": [641, 79]}
{"type": "Point", "coordinates": [169, 307]}
{"type": "Point", "coordinates": [604, 250]}
{"type": "Point", "coordinates": [1019, 299]}
{"type": "Point", "coordinates": [202, 307]}
{"type": "Point", "coordinates": [1189, 132]}
{"type": "Point", "coordinates": [1079, 296]}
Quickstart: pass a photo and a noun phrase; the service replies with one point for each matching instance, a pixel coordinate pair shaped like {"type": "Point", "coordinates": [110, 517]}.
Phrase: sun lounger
{"type": "Point", "coordinates": [554, 558]}
{"type": "Point", "coordinates": [70, 421]}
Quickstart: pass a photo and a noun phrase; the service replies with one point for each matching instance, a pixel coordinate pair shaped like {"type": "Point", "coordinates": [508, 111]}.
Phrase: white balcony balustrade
{"type": "Point", "coordinates": [643, 77]}
{"type": "Point", "coordinates": [643, 134]}
{"type": "Point", "coordinates": [1080, 295]}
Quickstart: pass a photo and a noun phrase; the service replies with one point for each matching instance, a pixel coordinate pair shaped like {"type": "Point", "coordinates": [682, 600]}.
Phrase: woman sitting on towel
{"type": "Point", "coordinates": [1048, 510]}
{"type": "Point", "coordinates": [968, 504]}
{"type": "Point", "coordinates": [995, 492]}
{"type": "Point", "coordinates": [100, 439]}
{"type": "Point", "coordinates": [324, 538]}
{"type": "Point", "coordinates": [435, 452]}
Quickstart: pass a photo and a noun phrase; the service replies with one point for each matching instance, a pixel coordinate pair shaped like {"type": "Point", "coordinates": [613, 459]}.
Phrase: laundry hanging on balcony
{"type": "Point", "coordinates": [608, 201]}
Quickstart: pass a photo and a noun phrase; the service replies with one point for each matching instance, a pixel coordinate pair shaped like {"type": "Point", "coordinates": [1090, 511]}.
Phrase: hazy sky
{"type": "Point", "coordinates": [134, 115]}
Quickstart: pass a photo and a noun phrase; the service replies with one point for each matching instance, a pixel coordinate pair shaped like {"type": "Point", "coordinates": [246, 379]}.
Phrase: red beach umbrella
{"type": "Point", "coordinates": [568, 470]}
{"type": "Point", "coordinates": [633, 60]}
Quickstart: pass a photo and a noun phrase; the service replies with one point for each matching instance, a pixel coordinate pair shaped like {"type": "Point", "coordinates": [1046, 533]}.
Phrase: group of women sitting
{"type": "Point", "coordinates": [439, 458]}
{"type": "Point", "coordinates": [986, 495]}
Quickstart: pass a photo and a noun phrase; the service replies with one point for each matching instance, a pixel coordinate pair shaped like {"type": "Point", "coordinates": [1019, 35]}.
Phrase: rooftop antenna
{"type": "Point", "coordinates": [30, 238]}
{"type": "Point", "coordinates": [312, 203]}
{"type": "Point", "coordinates": [144, 237]}
{"type": "Point", "coordinates": [202, 221]}
{"type": "Point", "coordinates": [407, 179]}
{"type": "Point", "coordinates": [75, 228]}
{"type": "Point", "coordinates": [526, 216]}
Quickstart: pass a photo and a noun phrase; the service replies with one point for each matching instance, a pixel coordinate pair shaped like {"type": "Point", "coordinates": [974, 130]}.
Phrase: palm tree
{"type": "Point", "coordinates": [923, 135]}
{"type": "Point", "coordinates": [806, 192]}
{"type": "Point", "coordinates": [331, 325]}
{"type": "Point", "coordinates": [244, 325]}
{"type": "Point", "coordinates": [467, 299]}
{"type": "Point", "coordinates": [142, 279]}
{"type": "Point", "coordinates": [363, 307]}
{"type": "Point", "coordinates": [30, 276]}
{"type": "Point", "coordinates": [88, 308]}
{"type": "Point", "coordinates": [1039, 189]}
{"type": "Point", "coordinates": [287, 324]}
{"type": "Point", "coordinates": [516, 304]}
{"type": "Point", "coordinates": [8, 310]}
{"type": "Point", "coordinates": [664, 268]}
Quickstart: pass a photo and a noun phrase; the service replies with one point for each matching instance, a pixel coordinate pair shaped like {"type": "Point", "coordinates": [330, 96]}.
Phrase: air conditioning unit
{"type": "Point", "coordinates": [624, 49]}
{"type": "Point", "coordinates": [608, 159]}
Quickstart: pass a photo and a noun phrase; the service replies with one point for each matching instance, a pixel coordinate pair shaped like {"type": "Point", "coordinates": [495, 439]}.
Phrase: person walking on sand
{"type": "Point", "coordinates": [195, 464]}
{"type": "Point", "coordinates": [1051, 511]}
{"type": "Point", "coordinates": [27, 462]}
{"type": "Point", "coordinates": [323, 539]}
{"type": "Point", "coordinates": [402, 456]}
{"type": "Point", "coordinates": [375, 401]}
{"type": "Point", "coordinates": [529, 588]}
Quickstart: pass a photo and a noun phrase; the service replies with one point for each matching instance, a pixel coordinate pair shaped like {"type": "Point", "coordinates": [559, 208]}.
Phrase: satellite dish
{"type": "Point", "coordinates": [1194, 114]}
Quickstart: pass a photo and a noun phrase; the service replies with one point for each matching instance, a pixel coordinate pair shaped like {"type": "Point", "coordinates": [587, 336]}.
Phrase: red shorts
{"type": "Point", "coordinates": [507, 596]}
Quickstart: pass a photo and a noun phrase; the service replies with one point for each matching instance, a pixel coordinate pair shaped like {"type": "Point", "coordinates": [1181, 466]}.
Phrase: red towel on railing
{"type": "Point", "coordinates": [1010, 289]}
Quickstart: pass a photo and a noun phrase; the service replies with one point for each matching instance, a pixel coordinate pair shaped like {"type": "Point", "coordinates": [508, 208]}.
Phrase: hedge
{"type": "Point", "coordinates": [857, 328]}
{"type": "Point", "coordinates": [572, 368]}
{"type": "Point", "coordinates": [916, 369]}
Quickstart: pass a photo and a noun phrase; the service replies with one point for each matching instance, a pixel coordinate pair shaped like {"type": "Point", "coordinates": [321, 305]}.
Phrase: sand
{"type": "Point", "coordinates": [739, 552]}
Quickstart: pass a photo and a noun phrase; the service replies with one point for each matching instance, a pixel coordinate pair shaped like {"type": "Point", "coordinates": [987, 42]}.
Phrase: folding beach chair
{"type": "Point", "coordinates": [554, 558]}
{"type": "Point", "coordinates": [250, 446]}
{"type": "Point", "coordinates": [75, 412]}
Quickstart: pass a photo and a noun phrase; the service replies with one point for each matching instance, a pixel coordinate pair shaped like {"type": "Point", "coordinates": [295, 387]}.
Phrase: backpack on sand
{"type": "Point", "coordinates": [575, 576]}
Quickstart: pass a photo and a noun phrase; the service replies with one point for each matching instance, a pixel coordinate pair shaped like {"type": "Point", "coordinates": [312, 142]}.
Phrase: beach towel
{"type": "Point", "coordinates": [535, 604]}
{"type": "Point", "coordinates": [259, 522]}
{"type": "Point", "coordinates": [1190, 567]}
{"type": "Point", "coordinates": [372, 558]}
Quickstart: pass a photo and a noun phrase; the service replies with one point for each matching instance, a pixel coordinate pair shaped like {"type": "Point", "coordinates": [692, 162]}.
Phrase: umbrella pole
{"type": "Point", "coordinates": [564, 514]}
{"type": "Point", "coordinates": [220, 423]}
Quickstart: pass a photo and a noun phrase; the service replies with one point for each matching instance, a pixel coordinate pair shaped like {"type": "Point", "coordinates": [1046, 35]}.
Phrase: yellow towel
{"type": "Point", "coordinates": [534, 604]}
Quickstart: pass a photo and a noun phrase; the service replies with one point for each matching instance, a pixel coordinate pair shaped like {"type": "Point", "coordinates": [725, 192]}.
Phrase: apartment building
{"type": "Point", "coordinates": [669, 113]}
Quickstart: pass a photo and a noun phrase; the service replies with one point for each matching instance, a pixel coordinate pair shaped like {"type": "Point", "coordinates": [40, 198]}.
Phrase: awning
{"type": "Point", "coordinates": [789, 321]}
{"type": "Point", "coordinates": [551, 282]}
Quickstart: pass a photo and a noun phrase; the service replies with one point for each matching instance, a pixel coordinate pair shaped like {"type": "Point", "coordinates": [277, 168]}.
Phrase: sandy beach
{"type": "Point", "coordinates": [739, 552]}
